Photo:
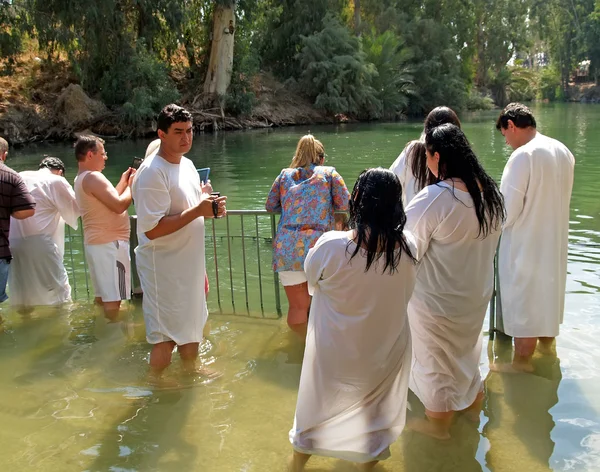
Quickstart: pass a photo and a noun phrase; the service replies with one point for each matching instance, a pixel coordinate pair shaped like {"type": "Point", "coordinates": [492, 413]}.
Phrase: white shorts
{"type": "Point", "coordinates": [110, 270]}
{"type": "Point", "coordinates": [292, 277]}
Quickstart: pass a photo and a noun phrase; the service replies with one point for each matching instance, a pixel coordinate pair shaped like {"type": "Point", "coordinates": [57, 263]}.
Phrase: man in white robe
{"type": "Point", "coordinates": [38, 276]}
{"type": "Point", "coordinates": [532, 263]}
{"type": "Point", "coordinates": [171, 206]}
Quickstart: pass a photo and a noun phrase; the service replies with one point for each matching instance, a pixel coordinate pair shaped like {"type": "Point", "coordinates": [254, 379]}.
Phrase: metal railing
{"type": "Point", "coordinates": [243, 238]}
{"type": "Point", "coordinates": [238, 262]}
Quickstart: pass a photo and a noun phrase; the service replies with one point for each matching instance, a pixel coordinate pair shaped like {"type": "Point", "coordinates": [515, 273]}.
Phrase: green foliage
{"type": "Point", "coordinates": [240, 98]}
{"type": "Point", "coordinates": [12, 26]}
{"type": "Point", "coordinates": [592, 41]}
{"type": "Point", "coordinates": [549, 87]}
{"type": "Point", "coordinates": [289, 22]}
{"type": "Point", "coordinates": [336, 74]}
{"type": "Point", "coordinates": [437, 68]}
{"type": "Point", "coordinates": [512, 84]}
{"type": "Point", "coordinates": [407, 56]}
{"type": "Point", "coordinates": [142, 86]}
{"type": "Point", "coordinates": [478, 101]}
{"type": "Point", "coordinates": [393, 83]}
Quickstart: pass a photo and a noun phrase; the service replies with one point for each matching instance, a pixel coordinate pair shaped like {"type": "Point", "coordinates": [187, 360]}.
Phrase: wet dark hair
{"type": "Point", "coordinates": [172, 114]}
{"type": "Point", "coordinates": [377, 214]}
{"type": "Point", "coordinates": [457, 160]}
{"type": "Point", "coordinates": [518, 113]}
{"type": "Point", "coordinates": [50, 162]}
{"type": "Point", "coordinates": [417, 158]}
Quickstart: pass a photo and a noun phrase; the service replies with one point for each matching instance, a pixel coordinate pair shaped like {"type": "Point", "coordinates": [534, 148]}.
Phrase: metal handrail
{"type": "Point", "coordinates": [78, 270]}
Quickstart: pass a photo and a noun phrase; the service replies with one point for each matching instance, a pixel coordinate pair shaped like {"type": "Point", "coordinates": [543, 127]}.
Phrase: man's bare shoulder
{"type": "Point", "coordinates": [95, 177]}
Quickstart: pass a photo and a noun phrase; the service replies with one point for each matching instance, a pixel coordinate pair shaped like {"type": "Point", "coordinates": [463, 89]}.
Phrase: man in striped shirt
{"type": "Point", "coordinates": [15, 201]}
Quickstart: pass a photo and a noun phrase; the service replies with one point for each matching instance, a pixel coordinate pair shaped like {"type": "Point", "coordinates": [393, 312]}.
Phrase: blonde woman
{"type": "Point", "coordinates": [307, 194]}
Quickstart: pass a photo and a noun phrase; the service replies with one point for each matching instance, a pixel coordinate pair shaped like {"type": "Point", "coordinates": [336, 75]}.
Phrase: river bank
{"type": "Point", "coordinates": [40, 103]}
{"type": "Point", "coordinates": [48, 104]}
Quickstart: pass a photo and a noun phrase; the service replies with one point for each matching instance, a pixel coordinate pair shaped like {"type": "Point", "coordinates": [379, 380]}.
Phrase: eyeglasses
{"type": "Point", "coordinates": [322, 155]}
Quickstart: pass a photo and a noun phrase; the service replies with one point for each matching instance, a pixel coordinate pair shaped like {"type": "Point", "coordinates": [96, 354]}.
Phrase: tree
{"type": "Point", "coordinates": [357, 17]}
{"type": "Point", "coordinates": [220, 64]}
{"type": "Point", "coordinates": [393, 83]}
{"type": "Point", "coordinates": [13, 24]}
{"type": "Point", "coordinates": [592, 41]}
{"type": "Point", "coordinates": [336, 74]}
{"type": "Point", "coordinates": [294, 20]}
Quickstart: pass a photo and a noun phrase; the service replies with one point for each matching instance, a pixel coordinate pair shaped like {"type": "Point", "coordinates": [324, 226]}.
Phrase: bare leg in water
{"type": "Point", "coordinates": [299, 304]}
{"type": "Point", "coordinates": [111, 309]}
{"type": "Point", "coordinates": [524, 349]}
{"type": "Point", "coordinates": [546, 346]}
{"type": "Point", "coordinates": [437, 424]}
{"type": "Point", "coordinates": [298, 461]}
{"type": "Point", "coordinates": [472, 412]}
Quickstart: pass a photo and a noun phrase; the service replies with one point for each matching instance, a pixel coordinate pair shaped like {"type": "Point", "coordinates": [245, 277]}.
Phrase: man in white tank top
{"type": "Point", "coordinates": [105, 225]}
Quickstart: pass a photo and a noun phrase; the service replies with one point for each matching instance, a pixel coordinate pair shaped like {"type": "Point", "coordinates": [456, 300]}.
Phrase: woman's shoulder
{"type": "Point", "coordinates": [325, 169]}
{"type": "Point", "coordinates": [332, 239]}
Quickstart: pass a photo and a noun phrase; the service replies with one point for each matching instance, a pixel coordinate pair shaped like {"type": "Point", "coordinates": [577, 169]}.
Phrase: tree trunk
{"type": "Point", "coordinates": [357, 17]}
{"type": "Point", "coordinates": [220, 65]}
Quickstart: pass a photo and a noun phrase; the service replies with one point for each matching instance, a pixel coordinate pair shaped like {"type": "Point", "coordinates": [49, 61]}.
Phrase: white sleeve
{"type": "Point", "coordinates": [65, 202]}
{"type": "Point", "coordinates": [514, 185]}
{"type": "Point", "coordinates": [422, 219]}
{"type": "Point", "coordinates": [400, 165]}
{"type": "Point", "coordinates": [315, 263]}
{"type": "Point", "coordinates": [151, 198]}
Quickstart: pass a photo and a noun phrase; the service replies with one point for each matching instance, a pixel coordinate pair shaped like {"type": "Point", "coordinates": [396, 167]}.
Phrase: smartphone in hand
{"type": "Point", "coordinates": [137, 161]}
{"type": "Point", "coordinates": [204, 173]}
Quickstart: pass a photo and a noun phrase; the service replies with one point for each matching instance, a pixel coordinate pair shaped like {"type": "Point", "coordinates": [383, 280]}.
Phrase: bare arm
{"type": "Point", "coordinates": [124, 182]}
{"type": "Point", "coordinates": [172, 223]}
{"type": "Point", "coordinates": [97, 185]}
{"type": "Point", "coordinates": [23, 214]}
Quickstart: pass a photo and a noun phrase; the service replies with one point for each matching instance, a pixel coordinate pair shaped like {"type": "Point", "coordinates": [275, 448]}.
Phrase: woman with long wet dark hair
{"type": "Point", "coordinates": [353, 387]}
{"type": "Point", "coordinates": [456, 223]}
{"type": "Point", "coordinates": [411, 165]}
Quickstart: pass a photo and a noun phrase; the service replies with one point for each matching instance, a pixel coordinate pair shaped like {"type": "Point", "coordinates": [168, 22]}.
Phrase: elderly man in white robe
{"type": "Point", "coordinates": [532, 262]}
{"type": "Point", "coordinates": [171, 205]}
{"type": "Point", "coordinates": [38, 276]}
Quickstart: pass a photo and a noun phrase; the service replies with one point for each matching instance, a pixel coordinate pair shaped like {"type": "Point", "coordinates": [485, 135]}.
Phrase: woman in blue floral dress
{"type": "Point", "coordinates": [308, 194]}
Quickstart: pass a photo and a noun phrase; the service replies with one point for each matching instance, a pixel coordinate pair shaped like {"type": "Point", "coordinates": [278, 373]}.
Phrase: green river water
{"type": "Point", "coordinates": [73, 395]}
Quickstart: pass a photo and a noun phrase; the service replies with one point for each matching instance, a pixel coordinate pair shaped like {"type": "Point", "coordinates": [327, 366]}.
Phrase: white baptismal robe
{"type": "Point", "coordinates": [454, 285]}
{"type": "Point", "coordinates": [37, 275]}
{"type": "Point", "coordinates": [354, 382]}
{"type": "Point", "coordinates": [171, 268]}
{"type": "Point", "coordinates": [532, 262]}
{"type": "Point", "coordinates": [402, 167]}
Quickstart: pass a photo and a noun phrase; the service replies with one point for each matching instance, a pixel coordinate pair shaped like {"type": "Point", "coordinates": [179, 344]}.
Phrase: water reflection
{"type": "Point", "coordinates": [518, 408]}
{"type": "Point", "coordinates": [421, 453]}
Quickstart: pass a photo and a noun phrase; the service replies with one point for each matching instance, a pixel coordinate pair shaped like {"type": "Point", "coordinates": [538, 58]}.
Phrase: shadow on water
{"type": "Point", "coordinates": [128, 445]}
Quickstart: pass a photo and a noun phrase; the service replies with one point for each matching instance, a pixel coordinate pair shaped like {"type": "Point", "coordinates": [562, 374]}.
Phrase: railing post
{"type": "Point", "coordinates": [230, 265]}
{"type": "Point", "coordinates": [262, 307]}
{"type": "Point", "coordinates": [136, 286]}
{"type": "Point", "coordinates": [214, 235]}
{"type": "Point", "coordinates": [275, 275]}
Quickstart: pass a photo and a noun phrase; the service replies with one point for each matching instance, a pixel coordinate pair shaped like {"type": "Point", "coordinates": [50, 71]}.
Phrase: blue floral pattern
{"type": "Point", "coordinates": [308, 199]}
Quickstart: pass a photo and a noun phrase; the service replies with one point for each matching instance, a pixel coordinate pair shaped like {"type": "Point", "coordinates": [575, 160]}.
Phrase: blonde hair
{"type": "Point", "coordinates": [307, 152]}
